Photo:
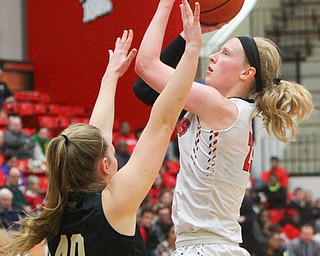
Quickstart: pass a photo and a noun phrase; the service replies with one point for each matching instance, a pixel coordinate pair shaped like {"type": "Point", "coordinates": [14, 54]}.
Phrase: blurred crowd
{"type": "Point", "coordinates": [275, 221]}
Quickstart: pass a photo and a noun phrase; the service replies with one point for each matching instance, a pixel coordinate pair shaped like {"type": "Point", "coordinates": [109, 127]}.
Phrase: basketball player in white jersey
{"type": "Point", "coordinates": [215, 136]}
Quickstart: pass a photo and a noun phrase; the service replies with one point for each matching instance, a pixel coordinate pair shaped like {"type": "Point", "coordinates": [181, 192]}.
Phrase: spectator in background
{"type": "Point", "coordinates": [316, 211]}
{"type": "Point", "coordinates": [275, 198]}
{"type": "Point", "coordinates": [290, 226]}
{"type": "Point", "coordinates": [247, 221]}
{"type": "Point", "coordinates": [8, 162]}
{"type": "Point", "coordinates": [8, 214]}
{"type": "Point", "coordinates": [148, 235]}
{"type": "Point", "coordinates": [312, 206]}
{"type": "Point", "coordinates": [165, 199]}
{"type": "Point", "coordinates": [32, 194]}
{"type": "Point", "coordinates": [126, 134]}
{"type": "Point", "coordinates": [298, 204]}
{"type": "Point", "coordinates": [168, 245]}
{"type": "Point", "coordinates": [41, 140]}
{"type": "Point", "coordinates": [121, 153]}
{"type": "Point", "coordinates": [274, 246]}
{"type": "Point", "coordinates": [162, 223]}
{"type": "Point", "coordinates": [278, 170]}
{"type": "Point", "coordinates": [265, 227]}
{"type": "Point", "coordinates": [18, 200]}
{"type": "Point", "coordinates": [304, 245]}
{"type": "Point", "coordinates": [5, 94]}
{"type": "Point", "coordinates": [308, 197]}
{"type": "Point", "coordinates": [275, 193]}
{"type": "Point", "coordinates": [16, 142]}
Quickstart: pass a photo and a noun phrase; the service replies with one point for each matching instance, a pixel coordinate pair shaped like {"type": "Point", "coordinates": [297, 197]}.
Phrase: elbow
{"type": "Point", "coordinates": [140, 66]}
{"type": "Point", "coordinates": [145, 65]}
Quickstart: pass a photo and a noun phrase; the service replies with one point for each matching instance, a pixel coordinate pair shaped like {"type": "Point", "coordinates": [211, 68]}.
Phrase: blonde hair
{"type": "Point", "coordinates": [281, 104]}
{"type": "Point", "coordinates": [72, 159]}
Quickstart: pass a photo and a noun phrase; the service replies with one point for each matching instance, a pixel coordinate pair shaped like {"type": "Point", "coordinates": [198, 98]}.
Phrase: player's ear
{"type": "Point", "coordinates": [248, 73]}
{"type": "Point", "coordinates": [103, 167]}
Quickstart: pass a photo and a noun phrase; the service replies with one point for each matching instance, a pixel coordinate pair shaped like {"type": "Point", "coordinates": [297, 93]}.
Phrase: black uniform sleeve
{"type": "Point", "coordinates": [171, 56]}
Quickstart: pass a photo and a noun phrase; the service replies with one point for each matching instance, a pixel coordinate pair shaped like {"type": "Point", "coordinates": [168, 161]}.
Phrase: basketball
{"type": "Point", "coordinates": [213, 12]}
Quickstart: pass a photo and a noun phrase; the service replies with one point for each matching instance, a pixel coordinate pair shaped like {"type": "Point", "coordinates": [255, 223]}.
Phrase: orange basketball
{"type": "Point", "coordinates": [213, 12]}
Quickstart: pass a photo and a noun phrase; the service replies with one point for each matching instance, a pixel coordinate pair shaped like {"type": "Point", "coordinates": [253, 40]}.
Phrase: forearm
{"type": "Point", "coordinates": [171, 56]}
{"type": "Point", "coordinates": [119, 61]}
{"type": "Point", "coordinates": [176, 92]}
{"type": "Point", "coordinates": [151, 44]}
{"type": "Point", "coordinates": [103, 111]}
{"type": "Point", "coordinates": [149, 53]}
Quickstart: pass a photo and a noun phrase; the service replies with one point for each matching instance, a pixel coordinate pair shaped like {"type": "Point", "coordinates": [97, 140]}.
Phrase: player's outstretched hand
{"type": "Point", "coordinates": [191, 23]}
{"type": "Point", "coordinates": [120, 58]}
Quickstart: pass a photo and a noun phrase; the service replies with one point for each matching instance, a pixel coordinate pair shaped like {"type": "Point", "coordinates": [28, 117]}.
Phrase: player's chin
{"type": "Point", "coordinates": [210, 80]}
{"type": "Point", "coordinates": [207, 79]}
{"type": "Point", "coordinates": [208, 76]}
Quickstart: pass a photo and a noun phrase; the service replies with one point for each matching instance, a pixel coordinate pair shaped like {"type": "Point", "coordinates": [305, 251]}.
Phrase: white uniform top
{"type": "Point", "coordinates": [214, 170]}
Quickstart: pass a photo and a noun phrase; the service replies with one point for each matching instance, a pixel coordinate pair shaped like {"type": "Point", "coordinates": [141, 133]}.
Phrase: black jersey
{"type": "Point", "coordinates": [85, 231]}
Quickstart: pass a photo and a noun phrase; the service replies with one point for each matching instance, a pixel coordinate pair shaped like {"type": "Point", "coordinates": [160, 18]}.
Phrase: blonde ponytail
{"type": "Point", "coordinates": [281, 104]}
{"type": "Point", "coordinates": [282, 107]}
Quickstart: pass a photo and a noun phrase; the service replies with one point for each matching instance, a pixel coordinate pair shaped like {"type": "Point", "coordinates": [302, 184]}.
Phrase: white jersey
{"type": "Point", "coordinates": [214, 170]}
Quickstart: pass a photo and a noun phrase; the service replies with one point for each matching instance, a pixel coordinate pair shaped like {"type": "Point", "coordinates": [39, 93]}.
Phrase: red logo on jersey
{"type": "Point", "coordinates": [248, 162]}
{"type": "Point", "coordinates": [183, 126]}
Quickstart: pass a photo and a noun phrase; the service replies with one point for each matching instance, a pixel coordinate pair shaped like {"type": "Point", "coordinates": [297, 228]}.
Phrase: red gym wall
{"type": "Point", "coordinates": [70, 57]}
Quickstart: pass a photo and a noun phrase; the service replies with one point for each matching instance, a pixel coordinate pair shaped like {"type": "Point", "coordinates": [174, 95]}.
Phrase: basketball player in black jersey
{"type": "Point", "coordinates": [90, 207]}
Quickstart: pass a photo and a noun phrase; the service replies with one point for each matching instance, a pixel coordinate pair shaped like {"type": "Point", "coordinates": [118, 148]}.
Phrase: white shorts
{"type": "Point", "coordinates": [210, 250]}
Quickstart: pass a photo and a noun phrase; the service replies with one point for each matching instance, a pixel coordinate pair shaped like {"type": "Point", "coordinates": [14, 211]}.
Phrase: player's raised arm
{"type": "Point", "coordinates": [119, 61]}
{"type": "Point", "coordinates": [146, 160]}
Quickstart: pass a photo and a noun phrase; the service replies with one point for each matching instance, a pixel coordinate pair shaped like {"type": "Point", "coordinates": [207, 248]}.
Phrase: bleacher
{"type": "Point", "coordinates": [39, 109]}
{"type": "Point", "coordinates": [295, 27]}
